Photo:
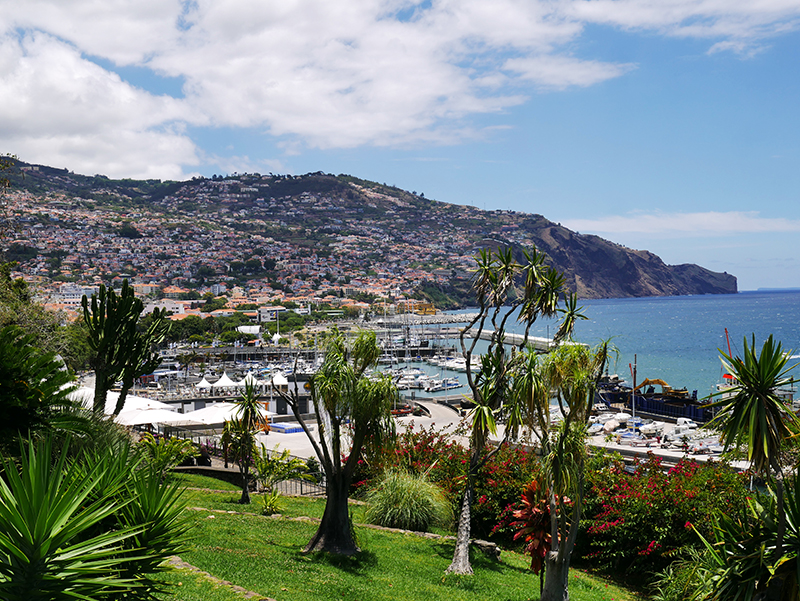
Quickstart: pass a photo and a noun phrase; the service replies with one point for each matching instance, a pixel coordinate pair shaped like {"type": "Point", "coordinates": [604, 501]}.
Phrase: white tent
{"type": "Point", "coordinates": [279, 379]}
{"type": "Point", "coordinates": [214, 415]}
{"type": "Point", "coordinates": [203, 384]}
{"type": "Point", "coordinates": [224, 382]}
{"type": "Point", "coordinates": [138, 417]}
{"type": "Point", "coordinates": [251, 380]}
{"type": "Point", "coordinates": [86, 396]}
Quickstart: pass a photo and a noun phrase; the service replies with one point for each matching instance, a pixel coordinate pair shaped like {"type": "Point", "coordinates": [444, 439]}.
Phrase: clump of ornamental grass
{"type": "Point", "coordinates": [408, 501]}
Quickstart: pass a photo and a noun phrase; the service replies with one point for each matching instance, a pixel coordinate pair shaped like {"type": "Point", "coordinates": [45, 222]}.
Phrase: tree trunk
{"type": "Point", "coordinates": [556, 580]}
{"type": "Point", "coordinates": [461, 563]}
{"type": "Point", "coordinates": [781, 517]}
{"type": "Point", "coordinates": [245, 471]}
{"type": "Point", "coordinates": [123, 394]}
{"type": "Point", "coordinates": [335, 532]}
{"type": "Point", "coordinates": [100, 391]}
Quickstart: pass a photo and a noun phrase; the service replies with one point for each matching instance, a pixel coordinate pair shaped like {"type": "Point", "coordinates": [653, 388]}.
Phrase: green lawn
{"type": "Point", "coordinates": [265, 555]}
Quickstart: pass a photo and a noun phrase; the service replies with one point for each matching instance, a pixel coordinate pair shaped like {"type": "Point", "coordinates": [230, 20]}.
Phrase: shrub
{"type": "Point", "coordinates": [271, 503]}
{"type": "Point", "coordinates": [444, 462]}
{"type": "Point", "coordinates": [276, 466]}
{"type": "Point", "coordinates": [165, 453]}
{"type": "Point", "coordinates": [409, 501]}
{"type": "Point", "coordinates": [636, 522]}
{"type": "Point", "coordinates": [91, 528]}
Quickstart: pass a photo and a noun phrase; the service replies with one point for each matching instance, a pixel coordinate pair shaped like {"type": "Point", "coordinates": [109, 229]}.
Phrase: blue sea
{"type": "Point", "coordinates": [677, 338]}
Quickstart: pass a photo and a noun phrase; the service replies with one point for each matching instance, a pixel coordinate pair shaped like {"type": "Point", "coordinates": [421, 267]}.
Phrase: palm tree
{"type": "Point", "coordinates": [241, 435]}
{"type": "Point", "coordinates": [342, 392]}
{"type": "Point", "coordinates": [498, 299]}
{"type": "Point", "coordinates": [754, 415]}
{"type": "Point", "coordinates": [568, 374]}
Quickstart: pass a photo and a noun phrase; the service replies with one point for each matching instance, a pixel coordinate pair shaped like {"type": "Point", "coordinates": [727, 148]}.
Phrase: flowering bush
{"type": "Point", "coordinates": [637, 520]}
{"type": "Point", "coordinates": [429, 451]}
{"type": "Point", "coordinates": [498, 489]}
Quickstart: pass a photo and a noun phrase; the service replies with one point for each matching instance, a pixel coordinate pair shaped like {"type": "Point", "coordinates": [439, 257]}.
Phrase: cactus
{"type": "Point", "coordinates": [120, 351]}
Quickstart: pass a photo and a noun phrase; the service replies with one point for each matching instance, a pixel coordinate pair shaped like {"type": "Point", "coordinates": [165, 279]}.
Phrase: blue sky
{"type": "Point", "coordinates": [665, 125]}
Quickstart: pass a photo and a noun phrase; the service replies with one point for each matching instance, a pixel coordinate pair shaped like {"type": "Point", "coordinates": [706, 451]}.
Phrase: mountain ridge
{"type": "Point", "coordinates": [356, 229]}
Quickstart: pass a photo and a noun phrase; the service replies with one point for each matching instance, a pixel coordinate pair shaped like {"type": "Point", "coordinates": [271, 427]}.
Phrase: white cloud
{"type": "Point", "coordinates": [315, 72]}
{"type": "Point", "coordinates": [739, 25]}
{"type": "Point", "coordinates": [680, 225]}
{"type": "Point", "coordinates": [561, 71]}
{"type": "Point", "coordinates": [61, 109]}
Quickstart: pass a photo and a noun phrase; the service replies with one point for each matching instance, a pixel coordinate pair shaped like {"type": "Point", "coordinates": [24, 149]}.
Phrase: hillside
{"type": "Point", "coordinates": [315, 233]}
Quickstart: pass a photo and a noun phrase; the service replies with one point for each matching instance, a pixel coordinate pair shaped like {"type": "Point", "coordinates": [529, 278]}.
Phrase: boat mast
{"type": "Point", "coordinates": [633, 388]}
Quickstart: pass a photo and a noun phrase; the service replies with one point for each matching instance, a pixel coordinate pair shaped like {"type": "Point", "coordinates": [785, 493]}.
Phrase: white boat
{"type": "Point", "coordinates": [436, 385]}
{"type": "Point", "coordinates": [652, 429]}
{"type": "Point", "coordinates": [595, 428]}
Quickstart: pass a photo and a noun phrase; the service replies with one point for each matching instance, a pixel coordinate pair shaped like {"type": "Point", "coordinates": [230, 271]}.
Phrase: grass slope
{"type": "Point", "coordinates": [265, 555]}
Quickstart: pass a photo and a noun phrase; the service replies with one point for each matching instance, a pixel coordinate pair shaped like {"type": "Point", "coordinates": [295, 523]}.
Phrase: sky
{"type": "Point", "coordinates": [665, 125]}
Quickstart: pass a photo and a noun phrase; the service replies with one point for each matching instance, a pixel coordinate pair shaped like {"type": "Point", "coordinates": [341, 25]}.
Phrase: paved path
{"type": "Point", "coordinates": [445, 418]}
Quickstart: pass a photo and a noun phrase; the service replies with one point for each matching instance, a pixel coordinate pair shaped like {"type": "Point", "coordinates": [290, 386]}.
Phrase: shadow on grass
{"type": "Point", "coordinates": [478, 559]}
{"type": "Point", "coordinates": [357, 564]}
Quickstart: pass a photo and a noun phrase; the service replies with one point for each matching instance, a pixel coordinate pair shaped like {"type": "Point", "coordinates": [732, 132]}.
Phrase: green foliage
{"type": "Point", "coordinates": [94, 527]}
{"type": "Point", "coordinates": [276, 466]}
{"type": "Point", "coordinates": [684, 579]}
{"type": "Point", "coordinates": [314, 470]}
{"type": "Point", "coordinates": [162, 454]}
{"type": "Point", "coordinates": [34, 390]}
{"type": "Point", "coordinates": [743, 559]}
{"type": "Point", "coordinates": [213, 304]}
{"type": "Point", "coordinates": [270, 503]}
{"type": "Point", "coordinates": [636, 523]}
{"type": "Point", "coordinates": [752, 414]}
{"type": "Point", "coordinates": [128, 230]}
{"type": "Point", "coordinates": [239, 436]}
{"type": "Point", "coordinates": [119, 350]}
{"type": "Point", "coordinates": [44, 515]}
{"type": "Point", "coordinates": [17, 307]}
{"type": "Point", "coordinates": [405, 500]}
{"type": "Point", "coordinates": [161, 525]}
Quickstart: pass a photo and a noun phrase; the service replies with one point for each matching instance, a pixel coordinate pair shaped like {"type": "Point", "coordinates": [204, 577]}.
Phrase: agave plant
{"type": "Point", "coordinates": [93, 528]}
{"type": "Point", "coordinates": [34, 389]}
{"type": "Point", "coordinates": [745, 560]}
{"type": "Point", "coordinates": [45, 513]}
{"type": "Point", "coordinates": [156, 515]}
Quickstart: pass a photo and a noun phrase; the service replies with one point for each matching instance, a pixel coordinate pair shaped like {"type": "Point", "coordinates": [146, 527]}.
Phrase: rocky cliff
{"type": "Point", "coordinates": [597, 268]}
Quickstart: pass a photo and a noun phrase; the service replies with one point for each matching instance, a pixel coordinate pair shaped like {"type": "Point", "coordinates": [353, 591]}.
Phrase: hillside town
{"type": "Point", "coordinates": [231, 239]}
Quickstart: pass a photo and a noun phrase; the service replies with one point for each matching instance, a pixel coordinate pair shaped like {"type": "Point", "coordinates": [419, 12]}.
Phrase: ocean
{"type": "Point", "coordinates": [677, 338]}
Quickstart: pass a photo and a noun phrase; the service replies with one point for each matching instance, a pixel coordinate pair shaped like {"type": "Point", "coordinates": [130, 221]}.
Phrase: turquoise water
{"type": "Point", "coordinates": [677, 338]}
